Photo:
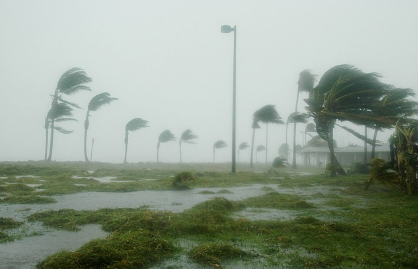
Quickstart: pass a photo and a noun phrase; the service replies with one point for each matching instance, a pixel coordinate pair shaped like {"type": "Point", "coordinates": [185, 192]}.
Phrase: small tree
{"type": "Point", "coordinates": [187, 137]}
{"type": "Point", "coordinates": [95, 103]}
{"type": "Point", "coordinates": [218, 145]}
{"type": "Point", "coordinates": [165, 136]}
{"type": "Point", "coordinates": [242, 146]}
{"type": "Point", "coordinates": [131, 126]}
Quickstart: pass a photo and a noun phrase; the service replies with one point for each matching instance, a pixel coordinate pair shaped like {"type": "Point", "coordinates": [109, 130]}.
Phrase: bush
{"type": "Point", "coordinates": [182, 180]}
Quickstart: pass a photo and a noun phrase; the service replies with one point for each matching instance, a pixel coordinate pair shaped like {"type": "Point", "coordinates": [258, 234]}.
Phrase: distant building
{"type": "Point", "coordinates": [346, 156]}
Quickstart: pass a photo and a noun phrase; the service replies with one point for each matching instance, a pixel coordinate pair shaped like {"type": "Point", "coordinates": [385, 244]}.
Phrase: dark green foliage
{"type": "Point", "coordinates": [361, 168]}
{"type": "Point", "coordinates": [134, 249]}
{"type": "Point", "coordinates": [8, 223]}
{"type": "Point", "coordinates": [213, 254]}
{"type": "Point", "coordinates": [182, 180]}
{"type": "Point", "coordinates": [277, 200]}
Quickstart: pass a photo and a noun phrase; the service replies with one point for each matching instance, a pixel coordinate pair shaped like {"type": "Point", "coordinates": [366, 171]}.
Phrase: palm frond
{"type": "Point", "coordinates": [73, 81]}
{"type": "Point", "coordinates": [68, 103]}
{"type": "Point", "coordinates": [136, 124]}
{"type": "Point", "coordinates": [317, 141]}
{"type": "Point", "coordinates": [284, 150]}
{"type": "Point", "coordinates": [267, 114]}
{"type": "Point", "coordinates": [65, 119]}
{"type": "Point", "coordinates": [220, 144]}
{"type": "Point", "coordinates": [187, 136]}
{"type": "Point", "coordinates": [243, 145]}
{"type": "Point", "coordinates": [297, 117]}
{"type": "Point", "coordinates": [166, 136]}
{"type": "Point", "coordinates": [100, 100]}
{"type": "Point", "coordinates": [306, 81]}
{"type": "Point", "coordinates": [310, 128]}
{"type": "Point", "coordinates": [279, 162]}
{"type": "Point", "coordinates": [60, 110]}
{"type": "Point", "coordinates": [62, 130]}
{"type": "Point", "coordinates": [358, 135]}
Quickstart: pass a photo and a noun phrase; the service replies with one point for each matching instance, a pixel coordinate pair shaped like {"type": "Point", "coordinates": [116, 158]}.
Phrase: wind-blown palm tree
{"type": "Point", "coordinates": [284, 150]}
{"type": "Point", "coordinates": [164, 137]}
{"type": "Point", "coordinates": [218, 145]}
{"type": "Point", "coordinates": [95, 103]}
{"type": "Point", "coordinates": [259, 149]}
{"type": "Point", "coordinates": [345, 93]}
{"type": "Point", "coordinates": [242, 146]}
{"type": "Point", "coordinates": [186, 137]}
{"type": "Point", "coordinates": [131, 126]}
{"type": "Point", "coordinates": [60, 112]}
{"type": "Point", "coordinates": [267, 114]}
{"type": "Point", "coordinates": [70, 82]}
{"type": "Point", "coordinates": [294, 118]}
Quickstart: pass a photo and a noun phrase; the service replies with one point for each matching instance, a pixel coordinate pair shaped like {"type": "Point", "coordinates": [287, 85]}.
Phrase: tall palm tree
{"type": "Point", "coordinates": [218, 145]}
{"type": "Point", "coordinates": [345, 93]}
{"type": "Point", "coordinates": [267, 114]}
{"type": "Point", "coordinates": [95, 103]}
{"type": "Point", "coordinates": [133, 125]}
{"type": "Point", "coordinates": [187, 136]}
{"type": "Point", "coordinates": [71, 82]}
{"type": "Point", "coordinates": [259, 149]}
{"type": "Point", "coordinates": [295, 117]}
{"type": "Point", "coordinates": [254, 126]}
{"type": "Point", "coordinates": [242, 146]}
{"type": "Point", "coordinates": [164, 137]}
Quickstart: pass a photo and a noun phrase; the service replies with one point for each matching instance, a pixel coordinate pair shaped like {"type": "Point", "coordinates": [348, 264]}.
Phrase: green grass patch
{"type": "Point", "coordinates": [27, 199]}
{"type": "Point", "coordinates": [214, 254]}
{"type": "Point", "coordinates": [277, 200]}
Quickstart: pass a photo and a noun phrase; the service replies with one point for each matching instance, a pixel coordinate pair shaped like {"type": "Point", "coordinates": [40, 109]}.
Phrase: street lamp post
{"type": "Point", "coordinates": [228, 29]}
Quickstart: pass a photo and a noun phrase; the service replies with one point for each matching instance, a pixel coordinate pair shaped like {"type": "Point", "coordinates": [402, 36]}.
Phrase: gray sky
{"type": "Point", "coordinates": [168, 63]}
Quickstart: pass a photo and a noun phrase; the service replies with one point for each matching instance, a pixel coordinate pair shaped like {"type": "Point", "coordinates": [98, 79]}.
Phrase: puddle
{"type": "Point", "coordinates": [27, 176]}
{"type": "Point", "coordinates": [102, 179]}
{"type": "Point", "coordinates": [26, 253]}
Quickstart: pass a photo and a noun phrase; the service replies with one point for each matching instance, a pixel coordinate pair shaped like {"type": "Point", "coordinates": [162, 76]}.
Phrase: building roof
{"type": "Point", "coordinates": [348, 149]}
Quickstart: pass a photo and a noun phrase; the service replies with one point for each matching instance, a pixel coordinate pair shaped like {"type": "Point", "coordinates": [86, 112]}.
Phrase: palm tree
{"type": "Point", "coordinates": [186, 137]}
{"type": "Point", "coordinates": [396, 105]}
{"type": "Point", "coordinates": [345, 93]}
{"type": "Point", "coordinates": [294, 118]}
{"type": "Point", "coordinates": [277, 163]}
{"type": "Point", "coordinates": [254, 126]}
{"type": "Point", "coordinates": [133, 125]}
{"type": "Point", "coordinates": [70, 82]}
{"type": "Point", "coordinates": [95, 103]}
{"type": "Point", "coordinates": [218, 145]}
{"type": "Point", "coordinates": [164, 137]}
{"type": "Point", "coordinates": [242, 146]}
{"type": "Point", "coordinates": [60, 112]}
{"type": "Point", "coordinates": [267, 114]}
{"type": "Point", "coordinates": [259, 148]}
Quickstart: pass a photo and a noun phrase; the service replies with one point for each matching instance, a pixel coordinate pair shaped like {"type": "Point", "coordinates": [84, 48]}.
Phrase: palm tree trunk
{"type": "Point", "coordinates": [86, 127]}
{"type": "Point", "coordinates": [46, 138]}
{"type": "Point", "coordinates": [181, 161]}
{"type": "Point", "coordinates": [126, 146]}
{"type": "Point", "coordinates": [91, 152]}
{"type": "Point", "coordinates": [365, 145]}
{"type": "Point", "coordinates": [51, 140]}
{"type": "Point", "coordinates": [267, 132]}
{"type": "Point", "coordinates": [158, 150]}
{"type": "Point", "coordinates": [294, 145]}
{"type": "Point", "coordinates": [374, 143]}
{"type": "Point", "coordinates": [213, 154]}
{"type": "Point", "coordinates": [252, 149]}
{"type": "Point", "coordinates": [335, 165]}
{"type": "Point", "coordinates": [287, 148]}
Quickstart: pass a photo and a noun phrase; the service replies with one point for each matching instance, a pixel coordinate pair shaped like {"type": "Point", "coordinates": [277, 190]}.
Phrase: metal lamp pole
{"type": "Point", "coordinates": [228, 29]}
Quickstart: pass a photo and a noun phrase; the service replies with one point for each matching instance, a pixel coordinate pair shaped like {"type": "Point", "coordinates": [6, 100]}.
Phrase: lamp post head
{"type": "Point", "coordinates": [227, 29]}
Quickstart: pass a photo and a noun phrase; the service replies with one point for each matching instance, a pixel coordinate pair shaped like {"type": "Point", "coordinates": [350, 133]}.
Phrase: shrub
{"type": "Point", "coordinates": [182, 180]}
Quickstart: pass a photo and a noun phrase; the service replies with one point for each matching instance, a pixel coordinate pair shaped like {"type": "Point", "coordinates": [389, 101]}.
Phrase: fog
{"type": "Point", "coordinates": [169, 63]}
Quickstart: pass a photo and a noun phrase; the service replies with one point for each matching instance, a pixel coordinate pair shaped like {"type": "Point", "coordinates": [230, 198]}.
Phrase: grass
{"type": "Point", "coordinates": [339, 224]}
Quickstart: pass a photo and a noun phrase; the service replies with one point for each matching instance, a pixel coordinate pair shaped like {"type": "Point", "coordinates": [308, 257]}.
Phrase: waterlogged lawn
{"type": "Point", "coordinates": [334, 222]}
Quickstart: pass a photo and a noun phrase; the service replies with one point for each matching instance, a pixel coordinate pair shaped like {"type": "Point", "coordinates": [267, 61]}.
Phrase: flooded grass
{"type": "Point", "coordinates": [247, 220]}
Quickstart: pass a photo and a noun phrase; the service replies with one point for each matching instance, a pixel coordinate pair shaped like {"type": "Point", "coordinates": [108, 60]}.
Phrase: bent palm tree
{"type": "Point", "coordinates": [133, 125]}
{"type": "Point", "coordinates": [259, 149]}
{"type": "Point", "coordinates": [242, 146]}
{"type": "Point", "coordinates": [186, 137]}
{"type": "Point", "coordinates": [284, 150]}
{"type": "Point", "coordinates": [345, 93]}
{"type": "Point", "coordinates": [70, 82]}
{"type": "Point", "coordinates": [277, 163]}
{"type": "Point", "coordinates": [267, 114]}
{"type": "Point", "coordinates": [164, 137]}
{"type": "Point", "coordinates": [218, 145]}
{"type": "Point", "coordinates": [95, 103]}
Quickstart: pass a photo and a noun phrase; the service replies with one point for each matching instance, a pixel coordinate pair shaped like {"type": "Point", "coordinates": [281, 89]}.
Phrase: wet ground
{"type": "Point", "coordinates": [42, 242]}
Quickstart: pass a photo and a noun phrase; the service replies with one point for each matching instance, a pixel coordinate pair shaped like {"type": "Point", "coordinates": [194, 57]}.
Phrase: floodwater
{"type": "Point", "coordinates": [27, 252]}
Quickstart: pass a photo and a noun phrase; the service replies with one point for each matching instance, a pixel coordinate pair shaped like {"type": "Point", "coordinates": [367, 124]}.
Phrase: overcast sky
{"type": "Point", "coordinates": [169, 63]}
